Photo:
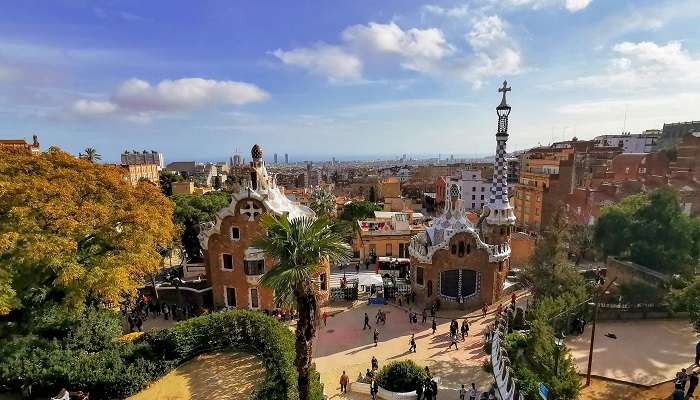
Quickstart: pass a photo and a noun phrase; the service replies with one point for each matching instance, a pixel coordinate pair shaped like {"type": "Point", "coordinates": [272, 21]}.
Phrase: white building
{"type": "Point", "coordinates": [631, 143]}
{"type": "Point", "coordinates": [475, 190]}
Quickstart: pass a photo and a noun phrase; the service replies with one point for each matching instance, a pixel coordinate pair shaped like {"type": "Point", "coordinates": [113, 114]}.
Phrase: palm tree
{"type": "Point", "coordinates": [90, 154]}
{"type": "Point", "coordinates": [301, 247]}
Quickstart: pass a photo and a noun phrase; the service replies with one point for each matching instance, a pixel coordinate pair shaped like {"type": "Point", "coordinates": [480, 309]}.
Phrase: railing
{"type": "Point", "coordinates": [504, 386]}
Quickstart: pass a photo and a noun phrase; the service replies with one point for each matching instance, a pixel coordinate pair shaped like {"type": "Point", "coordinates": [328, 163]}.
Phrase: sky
{"type": "Point", "coordinates": [345, 79]}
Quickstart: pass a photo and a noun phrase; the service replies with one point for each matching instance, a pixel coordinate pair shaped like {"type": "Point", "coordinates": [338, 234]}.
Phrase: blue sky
{"type": "Point", "coordinates": [317, 79]}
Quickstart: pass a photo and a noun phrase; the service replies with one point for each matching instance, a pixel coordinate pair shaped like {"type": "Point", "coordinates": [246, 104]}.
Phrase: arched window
{"type": "Point", "coordinates": [469, 248]}
{"type": "Point", "coordinates": [453, 249]}
{"type": "Point", "coordinates": [461, 249]}
{"type": "Point", "coordinates": [430, 288]}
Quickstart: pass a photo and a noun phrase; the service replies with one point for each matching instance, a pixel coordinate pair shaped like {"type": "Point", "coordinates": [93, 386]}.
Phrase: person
{"type": "Point", "coordinates": [499, 309]}
{"type": "Point", "coordinates": [375, 364]}
{"type": "Point", "coordinates": [428, 391]}
{"type": "Point", "coordinates": [453, 341]}
{"type": "Point", "coordinates": [678, 394]}
{"type": "Point", "coordinates": [369, 374]}
{"type": "Point", "coordinates": [367, 325]}
{"type": "Point", "coordinates": [487, 332]}
{"type": "Point", "coordinates": [693, 379]}
{"type": "Point", "coordinates": [376, 336]}
{"type": "Point", "coordinates": [472, 392]}
{"type": "Point", "coordinates": [344, 382]}
{"type": "Point", "coordinates": [697, 354]}
{"type": "Point", "coordinates": [433, 388]}
{"type": "Point", "coordinates": [513, 297]}
{"type": "Point", "coordinates": [465, 327]}
{"type": "Point", "coordinates": [419, 391]}
{"type": "Point", "coordinates": [359, 376]}
{"type": "Point", "coordinates": [357, 268]}
{"type": "Point", "coordinates": [682, 378]}
{"type": "Point", "coordinates": [325, 318]}
{"type": "Point", "coordinates": [484, 310]}
{"type": "Point", "coordinates": [412, 343]}
{"type": "Point", "coordinates": [62, 395]}
{"type": "Point", "coordinates": [166, 311]}
{"type": "Point", "coordinates": [424, 315]}
{"type": "Point", "coordinates": [462, 393]}
{"type": "Point", "coordinates": [410, 316]}
{"type": "Point", "coordinates": [434, 326]}
{"type": "Point", "coordinates": [373, 388]}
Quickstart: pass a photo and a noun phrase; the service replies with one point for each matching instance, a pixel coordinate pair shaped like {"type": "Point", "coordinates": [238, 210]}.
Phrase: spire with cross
{"type": "Point", "coordinates": [501, 210]}
{"type": "Point", "coordinates": [505, 89]}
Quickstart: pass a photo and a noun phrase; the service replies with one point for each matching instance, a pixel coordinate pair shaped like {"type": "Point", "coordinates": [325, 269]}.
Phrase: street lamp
{"type": "Point", "coordinates": [559, 343]}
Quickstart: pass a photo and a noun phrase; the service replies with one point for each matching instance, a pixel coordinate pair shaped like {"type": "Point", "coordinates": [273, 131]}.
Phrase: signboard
{"type": "Point", "coordinates": [543, 391]}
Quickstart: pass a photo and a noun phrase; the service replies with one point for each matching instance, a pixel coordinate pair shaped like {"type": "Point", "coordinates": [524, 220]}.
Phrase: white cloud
{"type": "Point", "coordinates": [461, 11]}
{"type": "Point", "coordinates": [644, 65]}
{"type": "Point", "coordinates": [332, 62]}
{"type": "Point", "coordinates": [405, 104]}
{"type": "Point", "coordinates": [136, 100]}
{"type": "Point", "coordinates": [570, 5]}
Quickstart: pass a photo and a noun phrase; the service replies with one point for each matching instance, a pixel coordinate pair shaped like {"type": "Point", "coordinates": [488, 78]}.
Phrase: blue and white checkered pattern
{"type": "Point", "coordinates": [499, 188]}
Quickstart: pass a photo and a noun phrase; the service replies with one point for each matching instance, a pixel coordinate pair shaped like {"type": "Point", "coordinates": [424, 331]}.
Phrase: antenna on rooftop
{"type": "Point", "coordinates": [624, 123]}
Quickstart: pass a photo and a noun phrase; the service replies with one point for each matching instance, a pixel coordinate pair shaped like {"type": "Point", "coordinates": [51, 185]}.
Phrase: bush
{"type": "Point", "coordinates": [121, 369]}
{"type": "Point", "coordinates": [401, 376]}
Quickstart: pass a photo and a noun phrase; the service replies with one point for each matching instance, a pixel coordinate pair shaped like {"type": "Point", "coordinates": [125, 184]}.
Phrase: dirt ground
{"type": "Point", "coordinates": [225, 375]}
{"type": "Point", "coordinates": [603, 389]}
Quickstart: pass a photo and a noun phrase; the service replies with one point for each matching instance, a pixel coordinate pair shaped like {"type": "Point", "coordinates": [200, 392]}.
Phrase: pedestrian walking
{"type": "Point", "coordinates": [682, 378]}
{"type": "Point", "coordinates": [434, 326]}
{"type": "Point", "coordinates": [412, 343]}
{"type": "Point", "coordinates": [693, 379]}
{"type": "Point", "coordinates": [166, 311]}
{"type": "Point", "coordinates": [513, 297]}
{"type": "Point", "coordinates": [325, 318]}
{"type": "Point", "coordinates": [472, 392]}
{"type": "Point", "coordinates": [484, 310]}
{"type": "Point", "coordinates": [419, 391]}
{"type": "Point", "coordinates": [373, 388]}
{"type": "Point", "coordinates": [375, 364]}
{"type": "Point", "coordinates": [344, 379]}
{"type": "Point", "coordinates": [697, 354]}
{"type": "Point", "coordinates": [453, 341]}
{"type": "Point", "coordinates": [357, 268]}
{"type": "Point", "coordinates": [366, 325]}
{"type": "Point", "coordinates": [462, 393]}
{"type": "Point", "coordinates": [376, 336]}
{"type": "Point", "coordinates": [464, 331]}
{"type": "Point", "coordinates": [424, 316]}
{"type": "Point", "coordinates": [410, 316]}
{"type": "Point", "coordinates": [499, 309]}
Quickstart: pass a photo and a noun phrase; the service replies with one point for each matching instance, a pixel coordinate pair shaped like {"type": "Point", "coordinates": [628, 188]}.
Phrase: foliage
{"type": "Point", "coordinates": [688, 299]}
{"type": "Point", "coordinates": [652, 230]}
{"type": "Point", "coordinates": [74, 233]}
{"type": "Point", "coordinates": [322, 201]}
{"type": "Point", "coordinates": [121, 369]}
{"type": "Point", "coordinates": [301, 247]}
{"type": "Point", "coordinates": [90, 154]}
{"type": "Point", "coordinates": [581, 241]}
{"type": "Point", "coordinates": [166, 180]}
{"type": "Point", "coordinates": [639, 292]}
{"type": "Point", "coordinates": [191, 211]}
{"type": "Point", "coordinates": [549, 272]}
{"type": "Point", "coordinates": [358, 210]}
{"type": "Point", "coordinates": [401, 376]}
{"type": "Point", "coordinates": [372, 194]}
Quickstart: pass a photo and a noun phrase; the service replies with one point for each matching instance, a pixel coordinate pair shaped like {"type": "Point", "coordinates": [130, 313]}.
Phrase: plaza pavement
{"type": "Point", "coordinates": [343, 345]}
{"type": "Point", "coordinates": [645, 352]}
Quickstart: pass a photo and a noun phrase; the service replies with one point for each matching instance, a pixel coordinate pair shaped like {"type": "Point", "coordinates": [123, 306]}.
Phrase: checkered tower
{"type": "Point", "coordinates": [501, 212]}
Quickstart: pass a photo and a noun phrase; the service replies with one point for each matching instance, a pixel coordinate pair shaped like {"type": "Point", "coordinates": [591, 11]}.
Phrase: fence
{"type": "Point", "coordinates": [504, 387]}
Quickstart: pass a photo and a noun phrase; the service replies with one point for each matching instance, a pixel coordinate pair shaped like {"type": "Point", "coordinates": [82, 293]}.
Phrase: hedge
{"type": "Point", "coordinates": [401, 376]}
{"type": "Point", "coordinates": [122, 369]}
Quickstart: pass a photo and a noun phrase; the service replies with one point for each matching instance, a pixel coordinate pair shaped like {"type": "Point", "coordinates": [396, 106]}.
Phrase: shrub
{"type": "Point", "coordinates": [401, 376]}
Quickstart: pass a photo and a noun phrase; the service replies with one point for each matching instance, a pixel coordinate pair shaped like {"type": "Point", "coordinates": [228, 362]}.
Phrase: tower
{"type": "Point", "coordinates": [286, 158]}
{"type": "Point", "coordinates": [500, 211]}
{"type": "Point", "coordinates": [275, 158]}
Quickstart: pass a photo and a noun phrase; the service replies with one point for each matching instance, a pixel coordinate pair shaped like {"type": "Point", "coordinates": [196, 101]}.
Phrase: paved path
{"type": "Point", "coordinates": [645, 352]}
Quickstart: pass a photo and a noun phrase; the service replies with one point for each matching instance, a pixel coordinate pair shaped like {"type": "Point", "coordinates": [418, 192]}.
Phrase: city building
{"type": "Point", "coordinates": [286, 158]}
{"type": "Point", "coordinates": [232, 264]}
{"type": "Point", "coordinates": [458, 261]}
{"type": "Point", "coordinates": [644, 142]}
{"type": "Point", "coordinates": [389, 187]}
{"type": "Point", "coordinates": [133, 173]}
{"type": "Point", "coordinates": [144, 157]}
{"type": "Point", "coordinates": [275, 158]}
{"type": "Point", "coordinates": [22, 144]}
{"type": "Point", "coordinates": [673, 133]}
{"type": "Point", "coordinates": [475, 189]}
{"type": "Point", "coordinates": [386, 235]}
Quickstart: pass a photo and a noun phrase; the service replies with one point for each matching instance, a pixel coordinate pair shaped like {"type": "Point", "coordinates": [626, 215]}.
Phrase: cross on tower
{"type": "Point", "coordinates": [251, 211]}
{"type": "Point", "coordinates": [504, 90]}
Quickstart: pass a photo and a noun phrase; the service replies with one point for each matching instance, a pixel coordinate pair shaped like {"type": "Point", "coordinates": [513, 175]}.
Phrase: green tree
{"type": "Point", "coordinates": [193, 210]}
{"type": "Point", "coordinates": [322, 201]}
{"type": "Point", "coordinates": [372, 194]}
{"type": "Point", "coordinates": [301, 247]}
{"type": "Point", "coordinates": [651, 229]}
{"type": "Point", "coordinates": [166, 180]}
{"type": "Point", "coordinates": [358, 210]}
{"type": "Point", "coordinates": [90, 154]}
{"type": "Point", "coordinates": [74, 233]}
{"type": "Point", "coordinates": [550, 273]}
{"type": "Point", "coordinates": [581, 241]}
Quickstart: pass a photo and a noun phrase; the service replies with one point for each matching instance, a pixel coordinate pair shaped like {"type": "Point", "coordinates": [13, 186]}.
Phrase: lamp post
{"type": "Point", "coordinates": [559, 342]}
{"type": "Point", "coordinates": [596, 302]}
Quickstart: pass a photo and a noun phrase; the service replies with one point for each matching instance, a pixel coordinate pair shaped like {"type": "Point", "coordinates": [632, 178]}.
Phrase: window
{"type": "Point", "coordinates": [500, 266]}
{"type": "Point", "coordinates": [388, 250]}
{"type": "Point", "coordinates": [469, 248]}
{"type": "Point", "coordinates": [235, 233]}
{"type": "Point", "coordinates": [430, 288]}
{"type": "Point", "coordinates": [227, 261]}
{"type": "Point", "coordinates": [473, 189]}
{"type": "Point", "coordinates": [473, 205]}
{"type": "Point", "coordinates": [482, 189]}
{"type": "Point", "coordinates": [403, 250]}
{"type": "Point", "coordinates": [419, 276]}
{"type": "Point", "coordinates": [324, 281]}
{"type": "Point", "coordinates": [453, 249]}
{"type": "Point", "coordinates": [254, 267]}
{"type": "Point", "coordinates": [461, 249]}
{"type": "Point", "coordinates": [482, 197]}
{"type": "Point", "coordinates": [372, 249]}
{"type": "Point", "coordinates": [254, 301]}
{"type": "Point", "coordinates": [230, 297]}
{"type": "Point", "coordinates": [473, 197]}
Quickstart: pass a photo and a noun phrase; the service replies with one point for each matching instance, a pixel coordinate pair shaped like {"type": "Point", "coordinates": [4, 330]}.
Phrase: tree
{"type": "Point", "coordinates": [549, 272]}
{"type": "Point", "coordinates": [581, 241]}
{"type": "Point", "coordinates": [372, 194]}
{"type": "Point", "coordinates": [166, 180]}
{"type": "Point", "coordinates": [300, 246]}
{"type": "Point", "coordinates": [651, 229]}
{"type": "Point", "coordinates": [688, 299]}
{"type": "Point", "coordinates": [74, 233]}
{"type": "Point", "coordinates": [90, 154]}
{"type": "Point", "coordinates": [322, 202]}
{"type": "Point", "coordinates": [358, 210]}
{"type": "Point", "coordinates": [191, 211]}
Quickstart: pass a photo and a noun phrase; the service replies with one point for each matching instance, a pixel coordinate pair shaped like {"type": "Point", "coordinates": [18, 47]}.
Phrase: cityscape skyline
{"type": "Point", "coordinates": [375, 81]}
